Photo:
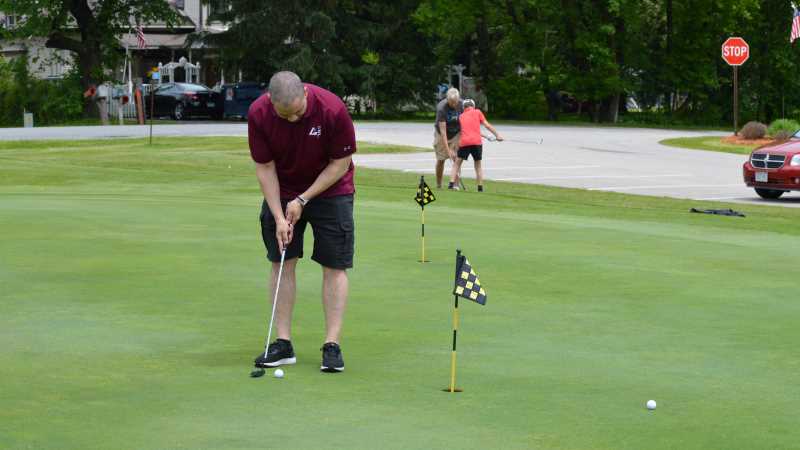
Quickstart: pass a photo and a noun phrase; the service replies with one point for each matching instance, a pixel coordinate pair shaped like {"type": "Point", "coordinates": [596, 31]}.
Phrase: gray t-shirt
{"type": "Point", "coordinates": [444, 113]}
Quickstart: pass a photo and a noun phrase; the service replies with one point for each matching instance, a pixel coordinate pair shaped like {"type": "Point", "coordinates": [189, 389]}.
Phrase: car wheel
{"type": "Point", "coordinates": [177, 113]}
{"type": "Point", "coordinates": [769, 194]}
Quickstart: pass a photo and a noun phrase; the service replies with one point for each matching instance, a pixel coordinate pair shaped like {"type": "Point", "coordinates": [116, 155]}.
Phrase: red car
{"type": "Point", "coordinates": [774, 169]}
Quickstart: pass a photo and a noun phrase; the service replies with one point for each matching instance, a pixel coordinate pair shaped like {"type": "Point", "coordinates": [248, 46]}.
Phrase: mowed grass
{"type": "Point", "coordinates": [710, 143]}
{"type": "Point", "coordinates": [133, 300]}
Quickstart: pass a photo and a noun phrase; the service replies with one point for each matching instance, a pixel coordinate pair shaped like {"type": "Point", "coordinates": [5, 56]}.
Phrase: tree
{"type": "Point", "coordinates": [368, 48]}
{"type": "Point", "coordinates": [89, 29]}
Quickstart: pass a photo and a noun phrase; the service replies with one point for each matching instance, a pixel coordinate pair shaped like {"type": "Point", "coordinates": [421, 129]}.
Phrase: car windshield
{"type": "Point", "coordinates": [193, 87]}
{"type": "Point", "coordinates": [248, 93]}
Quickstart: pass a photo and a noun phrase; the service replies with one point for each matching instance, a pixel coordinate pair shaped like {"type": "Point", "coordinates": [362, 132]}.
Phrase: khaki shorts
{"type": "Point", "coordinates": [441, 152]}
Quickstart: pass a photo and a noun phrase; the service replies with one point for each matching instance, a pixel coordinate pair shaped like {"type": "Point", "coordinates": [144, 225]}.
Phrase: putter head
{"type": "Point", "coordinates": [257, 373]}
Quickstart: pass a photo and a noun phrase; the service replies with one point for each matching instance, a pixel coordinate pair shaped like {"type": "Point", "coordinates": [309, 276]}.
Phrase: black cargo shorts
{"type": "Point", "coordinates": [331, 220]}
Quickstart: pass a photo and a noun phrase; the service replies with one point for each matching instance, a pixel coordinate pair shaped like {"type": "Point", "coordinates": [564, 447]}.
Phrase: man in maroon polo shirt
{"type": "Point", "coordinates": [302, 140]}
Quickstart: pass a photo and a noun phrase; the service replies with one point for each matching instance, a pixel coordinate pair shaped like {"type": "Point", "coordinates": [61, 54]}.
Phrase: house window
{"type": "Point", "coordinates": [10, 21]}
{"type": "Point", "coordinates": [179, 4]}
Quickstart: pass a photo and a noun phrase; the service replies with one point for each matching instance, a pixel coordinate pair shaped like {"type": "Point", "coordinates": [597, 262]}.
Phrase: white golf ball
{"type": "Point", "coordinates": [279, 374]}
{"type": "Point", "coordinates": [651, 405]}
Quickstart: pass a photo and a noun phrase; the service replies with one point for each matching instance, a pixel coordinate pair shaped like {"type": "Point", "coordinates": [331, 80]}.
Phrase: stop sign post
{"type": "Point", "coordinates": [735, 52]}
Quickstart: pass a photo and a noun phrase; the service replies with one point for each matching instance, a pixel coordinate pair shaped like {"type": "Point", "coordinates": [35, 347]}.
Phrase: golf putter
{"type": "Point", "coordinates": [260, 371]}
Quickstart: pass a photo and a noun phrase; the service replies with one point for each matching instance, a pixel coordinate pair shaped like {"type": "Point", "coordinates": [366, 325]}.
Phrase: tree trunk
{"type": "Point", "coordinates": [553, 103]}
{"type": "Point", "coordinates": [486, 49]}
{"type": "Point", "coordinates": [669, 52]}
{"type": "Point", "coordinates": [610, 109]}
{"type": "Point", "coordinates": [88, 62]}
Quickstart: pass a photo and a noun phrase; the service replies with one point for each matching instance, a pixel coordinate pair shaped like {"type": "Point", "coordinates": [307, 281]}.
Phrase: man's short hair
{"type": "Point", "coordinates": [452, 94]}
{"type": "Point", "coordinates": [285, 87]}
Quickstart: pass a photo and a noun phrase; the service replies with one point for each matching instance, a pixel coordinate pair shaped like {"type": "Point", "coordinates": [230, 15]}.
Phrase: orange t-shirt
{"type": "Point", "coordinates": [471, 120]}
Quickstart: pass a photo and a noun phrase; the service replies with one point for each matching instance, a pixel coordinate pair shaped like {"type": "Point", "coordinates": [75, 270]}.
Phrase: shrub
{"type": "Point", "coordinates": [753, 130]}
{"type": "Point", "coordinates": [51, 101]}
{"type": "Point", "coordinates": [783, 129]}
{"type": "Point", "coordinates": [515, 97]}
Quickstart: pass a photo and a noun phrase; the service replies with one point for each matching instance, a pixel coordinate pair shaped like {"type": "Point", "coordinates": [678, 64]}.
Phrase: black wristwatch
{"type": "Point", "coordinates": [302, 201]}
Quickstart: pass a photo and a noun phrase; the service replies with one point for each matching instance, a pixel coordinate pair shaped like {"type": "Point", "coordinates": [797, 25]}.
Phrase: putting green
{"type": "Point", "coordinates": [133, 300]}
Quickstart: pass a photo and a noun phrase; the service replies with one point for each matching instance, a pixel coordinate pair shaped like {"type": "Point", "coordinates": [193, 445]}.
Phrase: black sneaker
{"type": "Point", "coordinates": [331, 358]}
{"type": "Point", "coordinates": [450, 185]}
{"type": "Point", "coordinates": [480, 188]}
{"type": "Point", "coordinates": [280, 352]}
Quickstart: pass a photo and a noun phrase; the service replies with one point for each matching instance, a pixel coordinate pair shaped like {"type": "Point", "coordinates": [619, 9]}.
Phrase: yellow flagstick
{"type": "Point", "coordinates": [453, 356]}
{"type": "Point", "coordinates": [455, 332]}
{"type": "Point", "coordinates": [423, 234]}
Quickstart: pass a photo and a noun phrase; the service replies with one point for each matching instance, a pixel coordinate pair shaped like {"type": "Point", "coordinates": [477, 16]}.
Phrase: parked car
{"type": "Point", "coordinates": [239, 97]}
{"type": "Point", "coordinates": [184, 100]}
{"type": "Point", "coordinates": [774, 169]}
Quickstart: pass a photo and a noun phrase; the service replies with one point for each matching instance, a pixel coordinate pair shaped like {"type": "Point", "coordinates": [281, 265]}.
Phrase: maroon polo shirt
{"type": "Point", "coordinates": [301, 150]}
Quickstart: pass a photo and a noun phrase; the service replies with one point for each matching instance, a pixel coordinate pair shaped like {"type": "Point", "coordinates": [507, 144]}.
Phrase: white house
{"type": "Point", "coordinates": [163, 45]}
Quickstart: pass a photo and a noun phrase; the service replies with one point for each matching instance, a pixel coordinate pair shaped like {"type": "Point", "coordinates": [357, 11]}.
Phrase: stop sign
{"type": "Point", "coordinates": [735, 51]}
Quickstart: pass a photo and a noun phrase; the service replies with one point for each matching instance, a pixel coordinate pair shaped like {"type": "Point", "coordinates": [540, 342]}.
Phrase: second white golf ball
{"type": "Point", "coordinates": [279, 374]}
{"type": "Point", "coordinates": [651, 405]}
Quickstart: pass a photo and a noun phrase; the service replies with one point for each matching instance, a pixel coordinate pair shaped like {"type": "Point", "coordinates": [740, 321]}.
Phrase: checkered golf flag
{"type": "Point", "coordinates": [424, 193]}
{"type": "Point", "coordinates": [468, 285]}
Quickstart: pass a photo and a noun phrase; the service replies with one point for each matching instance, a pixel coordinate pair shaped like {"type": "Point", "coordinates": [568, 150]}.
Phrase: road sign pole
{"type": "Point", "coordinates": [735, 100]}
{"type": "Point", "coordinates": [735, 52]}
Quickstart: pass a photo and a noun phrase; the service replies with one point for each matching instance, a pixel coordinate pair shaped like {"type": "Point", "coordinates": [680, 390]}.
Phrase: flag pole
{"type": "Point", "coordinates": [455, 330]}
{"type": "Point", "coordinates": [423, 234]}
{"type": "Point", "coordinates": [421, 191]}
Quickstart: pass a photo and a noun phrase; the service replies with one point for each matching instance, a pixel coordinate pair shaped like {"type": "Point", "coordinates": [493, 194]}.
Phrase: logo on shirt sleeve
{"type": "Point", "coordinates": [316, 131]}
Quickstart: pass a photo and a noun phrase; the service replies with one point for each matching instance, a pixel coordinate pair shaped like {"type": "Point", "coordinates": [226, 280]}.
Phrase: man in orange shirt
{"type": "Point", "coordinates": [470, 143]}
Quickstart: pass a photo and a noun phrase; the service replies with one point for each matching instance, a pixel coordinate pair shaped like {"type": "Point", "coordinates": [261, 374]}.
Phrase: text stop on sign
{"type": "Point", "coordinates": [735, 51]}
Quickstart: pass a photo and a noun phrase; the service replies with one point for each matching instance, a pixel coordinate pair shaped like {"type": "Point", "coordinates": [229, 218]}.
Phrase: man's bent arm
{"type": "Point", "coordinates": [332, 173]}
{"type": "Point", "coordinates": [270, 187]}
{"type": "Point", "coordinates": [443, 133]}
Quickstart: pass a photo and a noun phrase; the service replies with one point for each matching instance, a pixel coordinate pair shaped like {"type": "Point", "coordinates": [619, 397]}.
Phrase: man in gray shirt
{"type": "Point", "coordinates": [447, 113]}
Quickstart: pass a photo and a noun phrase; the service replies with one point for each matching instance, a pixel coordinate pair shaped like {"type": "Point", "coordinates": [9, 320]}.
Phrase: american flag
{"type": "Point", "coordinates": [795, 24]}
{"type": "Point", "coordinates": [141, 42]}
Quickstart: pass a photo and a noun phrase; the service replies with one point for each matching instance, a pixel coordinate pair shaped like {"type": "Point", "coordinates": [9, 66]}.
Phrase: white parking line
{"type": "Point", "coordinates": [489, 169]}
{"type": "Point", "coordinates": [379, 159]}
{"type": "Point", "coordinates": [663, 186]}
{"type": "Point", "coordinates": [576, 177]}
{"type": "Point", "coordinates": [541, 167]}
{"type": "Point", "coordinates": [738, 197]}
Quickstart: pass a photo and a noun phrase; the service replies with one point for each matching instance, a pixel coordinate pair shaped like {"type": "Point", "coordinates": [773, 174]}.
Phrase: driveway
{"type": "Point", "coordinates": [628, 160]}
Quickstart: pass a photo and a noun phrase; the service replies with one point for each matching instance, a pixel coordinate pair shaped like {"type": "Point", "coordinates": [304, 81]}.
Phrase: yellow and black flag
{"type": "Point", "coordinates": [424, 193]}
{"type": "Point", "coordinates": [467, 283]}
{"type": "Point", "coordinates": [424, 196]}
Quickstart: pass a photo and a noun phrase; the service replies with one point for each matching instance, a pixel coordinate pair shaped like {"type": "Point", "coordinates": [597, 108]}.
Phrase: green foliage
{"type": "Point", "coordinates": [783, 128]}
{"type": "Point", "coordinates": [99, 24]}
{"type": "Point", "coordinates": [516, 97]}
{"type": "Point", "coordinates": [366, 48]}
{"type": "Point", "coordinates": [753, 130]}
{"type": "Point", "coordinates": [50, 101]}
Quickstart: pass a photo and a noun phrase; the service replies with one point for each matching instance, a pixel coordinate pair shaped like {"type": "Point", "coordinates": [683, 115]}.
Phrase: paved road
{"type": "Point", "coordinates": [114, 131]}
{"type": "Point", "coordinates": [605, 159]}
